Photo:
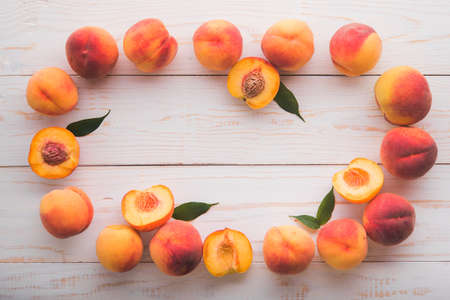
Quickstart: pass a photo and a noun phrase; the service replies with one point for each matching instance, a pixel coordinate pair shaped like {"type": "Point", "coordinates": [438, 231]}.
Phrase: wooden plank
{"type": "Point", "coordinates": [392, 280]}
{"type": "Point", "coordinates": [193, 120]}
{"type": "Point", "coordinates": [33, 33]}
{"type": "Point", "coordinates": [252, 199]}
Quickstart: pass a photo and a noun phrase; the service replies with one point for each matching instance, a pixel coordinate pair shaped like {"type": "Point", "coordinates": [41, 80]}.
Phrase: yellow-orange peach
{"type": "Point", "coordinates": [255, 81]}
{"type": "Point", "coordinates": [54, 153]}
{"type": "Point", "coordinates": [288, 44]}
{"type": "Point", "coordinates": [288, 249]}
{"type": "Point", "coordinates": [51, 91]}
{"type": "Point", "coordinates": [389, 219]}
{"type": "Point", "coordinates": [408, 152]}
{"type": "Point", "coordinates": [149, 46]}
{"type": "Point", "coordinates": [355, 49]}
{"type": "Point", "coordinates": [66, 212]}
{"type": "Point", "coordinates": [91, 52]}
{"type": "Point", "coordinates": [227, 251]}
{"type": "Point", "coordinates": [342, 244]}
{"type": "Point", "coordinates": [403, 95]}
{"type": "Point", "coordinates": [119, 248]}
{"type": "Point", "coordinates": [360, 182]}
{"type": "Point", "coordinates": [176, 248]}
{"type": "Point", "coordinates": [217, 44]}
{"type": "Point", "coordinates": [148, 209]}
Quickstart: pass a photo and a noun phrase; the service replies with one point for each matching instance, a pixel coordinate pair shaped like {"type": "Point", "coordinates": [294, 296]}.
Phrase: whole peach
{"type": "Point", "coordinates": [408, 152]}
{"type": "Point", "coordinates": [149, 46]}
{"type": "Point", "coordinates": [217, 44]}
{"type": "Point", "coordinates": [342, 243]}
{"type": "Point", "coordinates": [176, 248]}
{"type": "Point", "coordinates": [67, 212]}
{"type": "Point", "coordinates": [119, 248]}
{"type": "Point", "coordinates": [389, 219]}
{"type": "Point", "coordinates": [288, 249]}
{"type": "Point", "coordinates": [288, 44]}
{"type": "Point", "coordinates": [355, 49]}
{"type": "Point", "coordinates": [51, 91]}
{"type": "Point", "coordinates": [403, 95]}
{"type": "Point", "coordinates": [92, 52]}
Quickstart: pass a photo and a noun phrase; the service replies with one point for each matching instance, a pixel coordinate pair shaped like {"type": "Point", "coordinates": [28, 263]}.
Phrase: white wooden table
{"type": "Point", "coordinates": [180, 127]}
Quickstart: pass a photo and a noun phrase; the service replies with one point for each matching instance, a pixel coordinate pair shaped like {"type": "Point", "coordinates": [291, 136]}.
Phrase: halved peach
{"type": "Point", "coordinates": [253, 80]}
{"type": "Point", "coordinates": [54, 153]}
{"type": "Point", "coordinates": [227, 251]}
{"type": "Point", "coordinates": [148, 209]}
{"type": "Point", "coordinates": [360, 182]}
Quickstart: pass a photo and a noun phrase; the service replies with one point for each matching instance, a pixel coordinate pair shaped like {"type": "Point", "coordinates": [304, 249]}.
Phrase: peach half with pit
{"type": "Point", "coordinates": [51, 91]}
{"type": "Point", "coordinates": [148, 209]}
{"type": "Point", "coordinates": [255, 81]}
{"type": "Point", "coordinates": [54, 153]}
{"type": "Point", "coordinates": [66, 212]}
{"type": "Point", "coordinates": [176, 248]}
{"type": "Point", "coordinates": [288, 249]}
{"type": "Point", "coordinates": [360, 182]}
{"type": "Point", "coordinates": [119, 248]}
{"type": "Point", "coordinates": [227, 251]}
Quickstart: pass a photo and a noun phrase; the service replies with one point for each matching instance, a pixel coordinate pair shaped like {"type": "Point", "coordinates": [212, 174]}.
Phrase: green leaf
{"type": "Point", "coordinates": [287, 101]}
{"type": "Point", "coordinates": [326, 208]}
{"type": "Point", "coordinates": [309, 221]}
{"type": "Point", "coordinates": [86, 126]}
{"type": "Point", "coordinates": [191, 210]}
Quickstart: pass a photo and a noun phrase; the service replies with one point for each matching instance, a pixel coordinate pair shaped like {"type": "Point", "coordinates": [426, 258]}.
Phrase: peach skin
{"type": "Point", "coordinates": [342, 243]}
{"type": "Point", "coordinates": [52, 92]}
{"type": "Point", "coordinates": [253, 80]}
{"type": "Point", "coordinates": [148, 209]}
{"type": "Point", "coordinates": [227, 251]}
{"type": "Point", "coordinates": [360, 182]}
{"type": "Point", "coordinates": [92, 52]}
{"type": "Point", "coordinates": [288, 44]}
{"type": "Point", "coordinates": [389, 219]}
{"type": "Point", "coordinates": [176, 248]}
{"type": "Point", "coordinates": [119, 248]}
{"type": "Point", "coordinates": [67, 212]}
{"type": "Point", "coordinates": [54, 153]}
{"type": "Point", "coordinates": [217, 44]}
{"type": "Point", "coordinates": [408, 152]}
{"type": "Point", "coordinates": [403, 95]}
{"type": "Point", "coordinates": [288, 249]}
{"type": "Point", "coordinates": [149, 46]}
{"type": "Point", "coordinates": [355, 49]}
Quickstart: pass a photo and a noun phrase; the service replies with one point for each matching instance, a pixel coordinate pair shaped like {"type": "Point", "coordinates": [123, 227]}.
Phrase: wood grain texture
{"type": "Point", "coordinates": [193, 120]}
{"type": "Point", "coordinates": [395, 280]}
{"type": "Point", "coordinates": [33, 33]}
{"type": "Point", "coordinates": [252, 199]}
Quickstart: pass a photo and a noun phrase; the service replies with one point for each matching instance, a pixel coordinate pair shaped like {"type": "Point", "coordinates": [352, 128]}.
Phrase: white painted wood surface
{"type": "Point", "coordinates": [193, 120]}
{"type": "Point", "coordinates": [188, 133]}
